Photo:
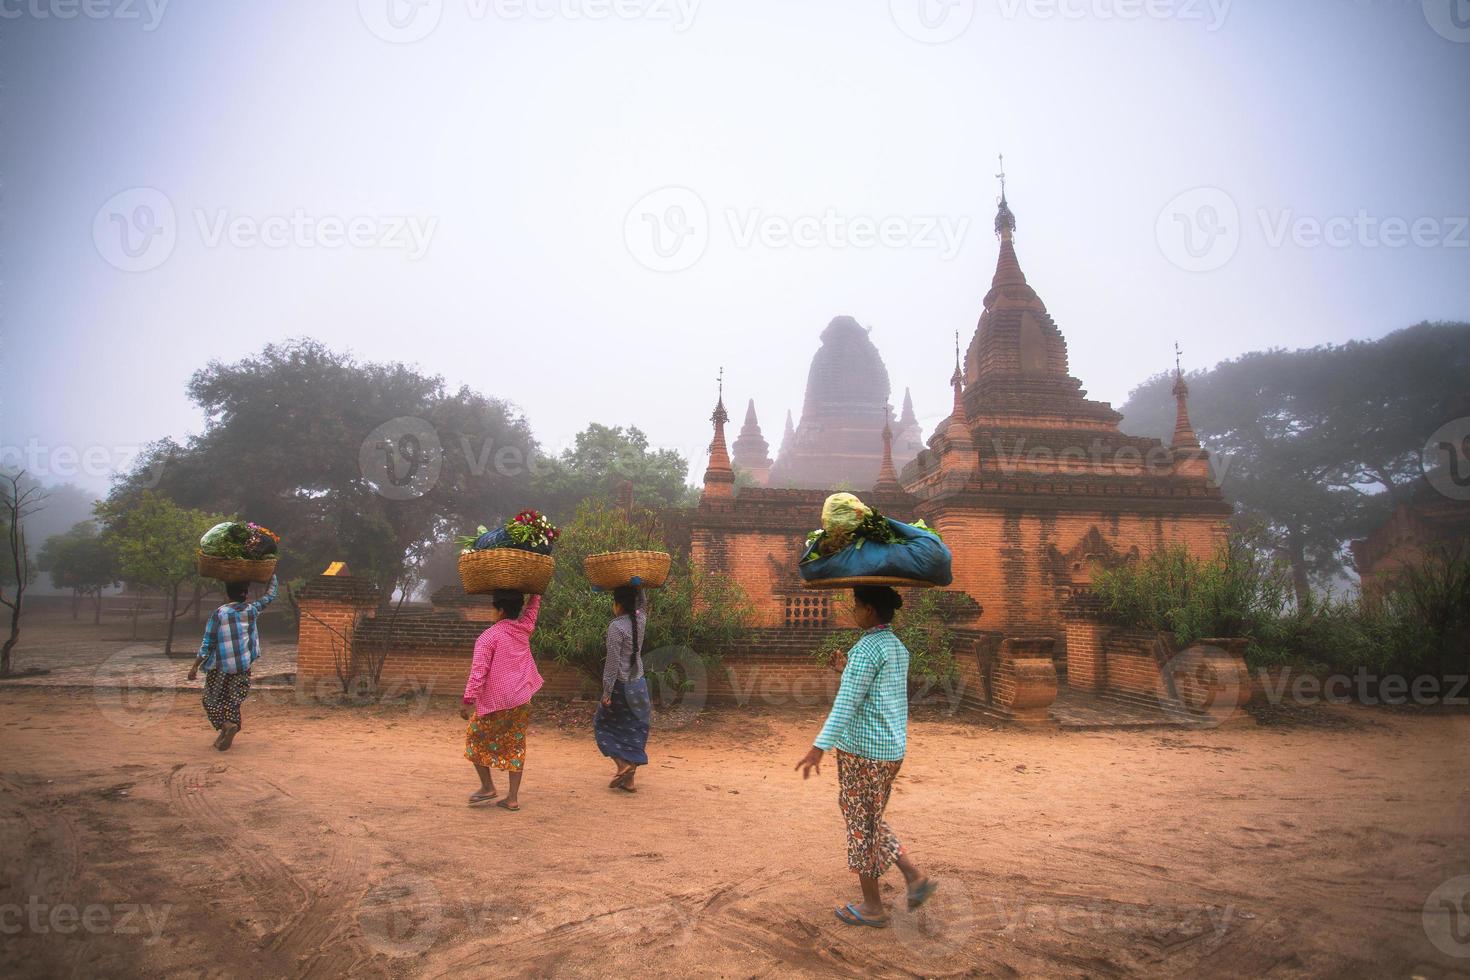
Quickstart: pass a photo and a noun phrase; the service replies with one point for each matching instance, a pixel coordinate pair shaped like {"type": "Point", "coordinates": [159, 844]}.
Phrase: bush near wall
{"type": "Point", "coordinates": [1420, 624]}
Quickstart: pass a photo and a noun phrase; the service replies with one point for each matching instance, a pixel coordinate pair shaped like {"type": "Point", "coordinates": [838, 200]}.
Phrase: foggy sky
{"type": "Point", "coordinates": [500, 168]}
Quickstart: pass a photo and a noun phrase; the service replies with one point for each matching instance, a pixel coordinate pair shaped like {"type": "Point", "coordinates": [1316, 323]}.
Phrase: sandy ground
{"type": "Point", "coordinates": [333, 839]}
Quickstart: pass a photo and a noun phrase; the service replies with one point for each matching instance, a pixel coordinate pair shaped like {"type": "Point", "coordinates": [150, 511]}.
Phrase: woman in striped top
{"type": "Point", "coordinates": [868, 726]}
{"type": "Point", "coordinates": [622, 718]}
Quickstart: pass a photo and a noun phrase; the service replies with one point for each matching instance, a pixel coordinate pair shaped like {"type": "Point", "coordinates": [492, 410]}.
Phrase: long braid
{"type": "Point", "coordinates": [627, 597]}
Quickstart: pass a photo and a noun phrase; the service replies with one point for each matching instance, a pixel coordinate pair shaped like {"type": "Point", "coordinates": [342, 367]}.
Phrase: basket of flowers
{"type": "Point", "coordinates": [857, 545]}
{"type": "Point", "coordinates": [515, 556]}
{"type": "Point", "coordinates": [612, 569]}
{"type": "Point", "coordinates": [238, 551]}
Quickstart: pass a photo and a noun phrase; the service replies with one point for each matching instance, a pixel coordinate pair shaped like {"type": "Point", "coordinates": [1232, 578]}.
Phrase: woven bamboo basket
{"type": "Point", "coordinates": [235, 569]}
{"type": "Point", "coordinates": [854, 581]}
{"type": "Point", "coordinates": [505, 568]}
{"type": "Point", "coordinates": [611, 569]}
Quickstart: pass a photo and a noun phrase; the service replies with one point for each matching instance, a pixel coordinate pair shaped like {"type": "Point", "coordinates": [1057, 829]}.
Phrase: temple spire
{"type": "Point", "coordinates": [751, 451]}
{"type": "Point", "coordinates": [907, 418]}
{"type": "Point", "coordinates": [1184, 437]}
{"type": "Point", "coordinates": [957, 380]}
{"type": "Point", "coordinates": [719, 477]}
{"type": "Point", "coordinates": [887, 475]}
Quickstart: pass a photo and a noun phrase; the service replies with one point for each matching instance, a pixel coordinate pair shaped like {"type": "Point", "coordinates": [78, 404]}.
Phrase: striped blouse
{"type": "Point", "coordinates": [623, 663]}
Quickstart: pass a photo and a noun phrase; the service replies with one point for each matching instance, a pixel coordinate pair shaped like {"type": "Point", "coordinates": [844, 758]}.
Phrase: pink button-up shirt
{"type": "Point", "coordinates": [503, 674]}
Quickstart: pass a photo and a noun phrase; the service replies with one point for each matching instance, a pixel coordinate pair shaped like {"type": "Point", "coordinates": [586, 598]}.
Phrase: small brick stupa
{"type": "Point", "coordinates": [838, 441]}
{"type": "Point", "coordinates": [752, 453]}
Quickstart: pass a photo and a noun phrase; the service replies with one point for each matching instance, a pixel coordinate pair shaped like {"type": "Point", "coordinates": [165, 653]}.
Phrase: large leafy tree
{"type": "Point", "coordinates": [1316, 446]}
{"type": "Point", "coordinates": [156, 542]}
{"type": "Point", "coordinates": [365, 462]}
{"type": "Point", "coordinates": [602, 462]}
{"type": "Point", "coordinates": [84, 562]}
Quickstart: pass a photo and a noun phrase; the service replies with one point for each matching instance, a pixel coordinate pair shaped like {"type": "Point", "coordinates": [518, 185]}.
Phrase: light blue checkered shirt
{"type": "Point", "coordinates": [870, 717]}
{"type": "Point", "coordinates": [231, 642]}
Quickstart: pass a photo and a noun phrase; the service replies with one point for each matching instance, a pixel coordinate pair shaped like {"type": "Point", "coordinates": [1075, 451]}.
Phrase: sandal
{"type": "Point", "coordinates": [477, 798]}
{"type": "Point", "coordinates": [921, 894]}
{"type": "Point", "coordinates": [508, 805]}
{"type": "Point", "coordinates": [849, 915]}
{"type": "Point", "coordinates": [620, 781]}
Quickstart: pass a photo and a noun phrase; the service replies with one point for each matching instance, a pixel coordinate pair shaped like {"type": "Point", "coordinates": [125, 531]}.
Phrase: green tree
{"type": "Point", "coordinates": [370, 463]}
{"type": "Point", "coordinates": [20, 498]}
{"type": "Point", "coordinates": [694, 609]}
{"type": "Point", "coordinates": [1317, 445]}
{"type": "Point", "coordinates": [84, 562]}
{"type": "Point", "coordinates": [601, 462]}
{"type": "Point", "coordinates": [156, 542]}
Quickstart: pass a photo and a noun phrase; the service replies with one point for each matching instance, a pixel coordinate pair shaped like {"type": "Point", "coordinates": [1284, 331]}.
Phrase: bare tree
{"type": "Point", "coordinates": [17, 502]}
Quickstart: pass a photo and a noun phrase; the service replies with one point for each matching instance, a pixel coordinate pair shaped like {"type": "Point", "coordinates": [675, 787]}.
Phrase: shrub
{"type": "Point", "coordinates": [572, 628]}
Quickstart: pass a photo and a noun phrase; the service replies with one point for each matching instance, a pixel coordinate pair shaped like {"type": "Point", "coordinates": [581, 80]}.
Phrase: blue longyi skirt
{"type": "Point", "coordinates": [622, 730]}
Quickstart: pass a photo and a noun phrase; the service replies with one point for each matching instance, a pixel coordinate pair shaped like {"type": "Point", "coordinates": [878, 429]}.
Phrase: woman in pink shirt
{"type": "Point", "coordinates": [497, 697]}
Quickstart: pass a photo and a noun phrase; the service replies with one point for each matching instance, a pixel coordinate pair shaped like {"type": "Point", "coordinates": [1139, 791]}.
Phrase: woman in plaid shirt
{"type": "Point", "coordinates": [868, 726]}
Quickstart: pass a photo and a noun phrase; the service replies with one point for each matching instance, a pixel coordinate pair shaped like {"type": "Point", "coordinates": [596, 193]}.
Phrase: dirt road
{"type": "Point", "coordinates": [331, 840]}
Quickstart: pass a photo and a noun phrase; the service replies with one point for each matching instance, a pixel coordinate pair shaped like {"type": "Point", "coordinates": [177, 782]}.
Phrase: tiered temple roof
{"type": "Point", "coordinates": [752, 452]}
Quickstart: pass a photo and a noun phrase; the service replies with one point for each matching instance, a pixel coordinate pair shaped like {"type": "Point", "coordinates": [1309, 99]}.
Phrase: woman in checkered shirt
{"type": "Point", "coordinates": [868, 726]}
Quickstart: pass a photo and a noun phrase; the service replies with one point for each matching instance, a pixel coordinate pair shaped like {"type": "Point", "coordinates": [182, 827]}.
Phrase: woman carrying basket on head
{"type": "Point", "coordinates": [497, 696]}
{"type": "Point", "coordinates": [621, 724]}
{"type": "Point", "coordinates": [868, 726]}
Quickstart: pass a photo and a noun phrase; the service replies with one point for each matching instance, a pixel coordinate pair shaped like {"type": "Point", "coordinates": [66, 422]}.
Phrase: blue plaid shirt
{"type": "Point", "coordinates": [870, 716]}
{"type": "Point", "coordinates": [231, 643]}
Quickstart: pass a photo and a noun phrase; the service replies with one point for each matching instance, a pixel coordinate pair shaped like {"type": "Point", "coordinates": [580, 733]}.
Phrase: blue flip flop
{"type": "Point", "coordinates": [849, 915]}
{"type": "Point", "coordinates": [921, 894]}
